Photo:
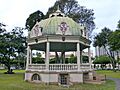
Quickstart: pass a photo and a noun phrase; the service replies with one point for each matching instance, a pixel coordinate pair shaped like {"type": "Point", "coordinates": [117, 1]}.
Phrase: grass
{"type": "Point", "coordinates": [109, 73]}
{"type": "Point", "coordinates": [16, 82]}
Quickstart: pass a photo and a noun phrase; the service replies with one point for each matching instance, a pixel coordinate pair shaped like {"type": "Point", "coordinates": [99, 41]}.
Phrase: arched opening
{"type": "Point", "coordinates": [36, 77]}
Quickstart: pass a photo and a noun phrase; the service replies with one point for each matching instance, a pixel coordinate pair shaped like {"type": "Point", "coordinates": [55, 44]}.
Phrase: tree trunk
{"type": "Point", "coordinates": [118, 59]}
{"type": "Point", "coordinates": [111, 59]}
{"type": "Point", "coordinates": [63, 57]}
{"type": "Point", "coordinates": [57, 57]}
{"type": "Point", "coordinates": [9, 70]}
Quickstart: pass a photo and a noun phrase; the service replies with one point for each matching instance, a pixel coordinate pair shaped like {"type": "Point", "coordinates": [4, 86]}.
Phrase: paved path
{"type": "Point", "coordinates": [117, 81]}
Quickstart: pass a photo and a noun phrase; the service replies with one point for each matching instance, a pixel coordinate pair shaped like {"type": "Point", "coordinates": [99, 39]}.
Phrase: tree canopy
{"type": "Point", "coordinates": [114, 40]}
{"type": "Point", "coordinates": [78, 13]}
{"type": "Point", "coordinates": [102, 40]}
{"type": "Point", "coordinates": [11, 45]}
{"type": "Point", "coordinates": [102, 60]}
{"type": "Point", "coordinates": [71, 8]}
{"type": "Point", "coordinates": [33, 18]}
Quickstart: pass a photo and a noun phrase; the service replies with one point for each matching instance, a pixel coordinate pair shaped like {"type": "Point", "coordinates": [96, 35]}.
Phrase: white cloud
{"type": "Point", "coordinates": [15, 12]}
{"type": "Point", "coordinates": [107, 12]}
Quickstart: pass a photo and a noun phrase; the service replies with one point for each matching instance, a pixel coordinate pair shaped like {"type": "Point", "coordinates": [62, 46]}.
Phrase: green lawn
{"type": "Point", "coordinates": [16, 82]}
{"type": "Point", "coordinates": [109, 73]}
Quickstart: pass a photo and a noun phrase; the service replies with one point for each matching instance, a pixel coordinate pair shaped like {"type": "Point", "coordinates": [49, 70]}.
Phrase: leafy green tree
{"type": "Point", "coordinates": [78, 13]}
{"type": "Point", "coordinates": [103, 60]}
{"type": "Point", "coordinates": [38, 58]}
{"type": "Point", "coordinates": [118, 26]}
{"type": "Point", "coordinates": [101, 40]}
{"type": "Point", "coordinates": [11, 45]}
{"type": "Point", "coordinates": [72, 59]}
{"type": "Point", "coordinates": [33, 18]}
{"type": "Point", "coordinates": [114, 43]}
{"type": "Point", "coordinates": [114, 40]}
{"type": "Point", "coordinates": [85, 59]}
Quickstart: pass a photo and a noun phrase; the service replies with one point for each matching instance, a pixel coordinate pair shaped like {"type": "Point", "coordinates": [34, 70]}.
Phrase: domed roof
{"type": "Point", "coordinates": [57, 23]}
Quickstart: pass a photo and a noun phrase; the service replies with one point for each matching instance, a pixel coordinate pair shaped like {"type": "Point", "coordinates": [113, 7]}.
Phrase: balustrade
{"type": "Point", "coordinates": [63, 67]}
{"type": "Point", "coordinates": [36, 67]}
{"type": "Point", "coordinates": [85, 66]}
{"type": "Point", "coordinates": [58, 67]}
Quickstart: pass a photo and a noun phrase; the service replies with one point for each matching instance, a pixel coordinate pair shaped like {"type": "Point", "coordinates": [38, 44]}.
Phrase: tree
{"type": "Point", "coordinates": [114, 40]}
{"type": "Point", "coordinates": [33, 18]}
{"type": "Point", "coordinates": [72, 59]}
{"type": "Point", "coordinates": [114, 43]}
{"type": "Point", "coordinates": [118, 26]}
{"type": "Point", "coordinates": [78, 13]}
{"type": "Point", "coordinates": [103, 60]}
{"type": "Point", "coordinates": [38, 58]}
{"type": "Point", "coordinates": [101, 40]}
{"type": "Point", "coordinates": [11, 45]}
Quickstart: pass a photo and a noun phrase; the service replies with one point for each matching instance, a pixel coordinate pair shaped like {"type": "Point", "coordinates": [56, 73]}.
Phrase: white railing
{"type": "Point", "coordinates": [63, 67]}
{"type": "Point", "coordinates": [85, 66]}
{"type": "Point", "coordinates": [36, 66]}
{"type": "Point", "coordinates": [59, 67]}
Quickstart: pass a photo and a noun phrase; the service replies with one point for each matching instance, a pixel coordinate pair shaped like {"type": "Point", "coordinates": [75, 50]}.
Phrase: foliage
{"type": "Point", "coordinates": [11, 45]}
{"type": "Point", "coordinates": [33, 18]}
{"type": "Point", "coordinates": [101, 40]}
{"type": "Point", "coordinates": [72, 59]}
{"type": "Point", "coordinates": [78, 13]}
{"type": "Point", "coordinates": [85, 59]}
{"type": "Point", "coordinates": [38, 59]}
{"type": "Point", "coordinates": [118, 26]}
{"type": "Point", "coordinates": [53, 61]}
{"type": "Point", "coordinates": [114, 40]}
{"type": "Point", "coordinates": [102, 60]}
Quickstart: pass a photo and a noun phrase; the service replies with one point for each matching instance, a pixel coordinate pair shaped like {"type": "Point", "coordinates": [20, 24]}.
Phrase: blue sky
{"type": "Point", "coordinates": [14, 12]}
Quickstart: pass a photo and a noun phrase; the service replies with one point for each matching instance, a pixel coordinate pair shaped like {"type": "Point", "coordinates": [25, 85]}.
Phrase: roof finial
{"type": "Point", "coordinates": [58, 8]}
{"type": "Point", "coordinates": [57, 13]}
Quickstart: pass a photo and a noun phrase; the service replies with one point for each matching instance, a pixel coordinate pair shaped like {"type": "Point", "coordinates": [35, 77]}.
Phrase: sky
{"type": "Point", "coordinates": [15, 12]}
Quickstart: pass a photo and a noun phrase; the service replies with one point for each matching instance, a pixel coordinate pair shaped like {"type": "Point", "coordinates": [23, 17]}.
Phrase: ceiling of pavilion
{"type": "Point", "coordinates": [57, 46]}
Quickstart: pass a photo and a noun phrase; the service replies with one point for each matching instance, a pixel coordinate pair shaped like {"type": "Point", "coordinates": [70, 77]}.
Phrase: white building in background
{"type": "Point", "coordinates": [101, 51]}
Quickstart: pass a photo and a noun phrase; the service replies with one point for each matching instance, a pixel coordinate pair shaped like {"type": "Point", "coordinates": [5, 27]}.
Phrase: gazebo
{"type": "Point", "coordinates": [58, 33]}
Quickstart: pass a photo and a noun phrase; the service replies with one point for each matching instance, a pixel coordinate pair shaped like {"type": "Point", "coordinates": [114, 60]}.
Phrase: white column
{"type": "Point", "coordinates": [47, 55]}
{"type": "Point", "coordinates": [81, 59]}
{"type": "Point", "coordinates": [78, 56]}
{"type": "Point", "coordinates": [28, 57]}
{"type": "Point", "coordinates": [89, 55]}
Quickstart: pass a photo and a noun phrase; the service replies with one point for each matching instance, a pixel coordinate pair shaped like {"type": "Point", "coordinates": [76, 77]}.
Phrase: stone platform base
{"type": "Point", "coordinates": [54, 77]}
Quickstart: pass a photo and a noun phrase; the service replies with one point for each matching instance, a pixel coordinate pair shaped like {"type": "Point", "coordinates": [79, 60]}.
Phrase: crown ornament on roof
{"type": "Point", "coordinates": [58, 13]}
